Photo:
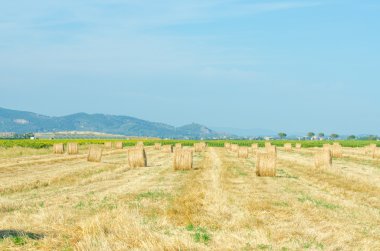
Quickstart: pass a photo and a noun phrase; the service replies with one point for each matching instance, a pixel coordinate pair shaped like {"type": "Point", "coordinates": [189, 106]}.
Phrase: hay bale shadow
{"type": "Point", "coordinates": [10, 233]}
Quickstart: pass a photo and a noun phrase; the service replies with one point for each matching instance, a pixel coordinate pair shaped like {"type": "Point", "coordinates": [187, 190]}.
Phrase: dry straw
{"type": "Point", "coordinates": [58, 148]}
{"type": "Point", "coordinates": [137, 157]}
{"type": "Point", "coordinates": [167, 148]}
{"type": "Point", "coordinates": [183, 159]}
{"type": "Point", "coordinates": [157, 146]}
{"type": "Point", "coordinates": [272, 150]}
{"type": "Point", "coordinates": [72, 148]}
{"type": "Point", "coordinates": [108, 145]}
{"type": "Point", "coordinates": [255, 147]}
{"type": "Point", "coordinates": [243, 152]}
{"type": "Point", "coordinates": [178, 145]}
{"type": "Point", "coordinates": [266, 165]}
{"type": "Point", "coordinates": [323, 159]}
{"type": "Point", "coordinates": [267, 144]}
{"type": "Point", "coordinates": [227, 145]}
{"type": "Point", "coordinates": [298, 146]}
{"type": "Point", "coordinates": [337, 150]}
{"type": "Point", "coordinates": [200, 147]}
{"type": "Point", "coordinates": [94, 154]}
{"type": "Point", "coordinates": [288, 147]}
{"type": "Point", "coordinates": [235, 148]}
{"type": "Point", "coordinates": [140, 144]}
{"type": "Point", "coordinates": [376, 153]}
{"type": "Point", "coordinates": [119, 145]}
{"type": "Point", "coordinates": [326, 147]}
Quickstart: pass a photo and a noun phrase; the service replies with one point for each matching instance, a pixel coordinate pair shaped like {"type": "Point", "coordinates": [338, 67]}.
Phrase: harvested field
{"type": "Point", "coordinates": [63, 202]}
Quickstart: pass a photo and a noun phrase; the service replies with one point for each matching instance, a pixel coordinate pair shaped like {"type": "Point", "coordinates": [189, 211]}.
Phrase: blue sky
{"type": "Point", "coordinates": [293, 66]}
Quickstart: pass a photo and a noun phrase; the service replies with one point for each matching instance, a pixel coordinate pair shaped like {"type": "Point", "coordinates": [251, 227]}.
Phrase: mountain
{"type": "Point", "coordinates": [254, 132]}
{"type": "Point", "coordinates": [26, 122]}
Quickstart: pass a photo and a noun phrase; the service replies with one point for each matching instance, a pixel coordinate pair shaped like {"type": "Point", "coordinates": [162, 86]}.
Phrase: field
{"type": "Point", "coordinates": [63, 202]}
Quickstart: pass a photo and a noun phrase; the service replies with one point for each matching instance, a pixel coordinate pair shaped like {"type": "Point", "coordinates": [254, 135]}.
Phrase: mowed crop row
{"type": "Point", "coordinates": [65, 202]}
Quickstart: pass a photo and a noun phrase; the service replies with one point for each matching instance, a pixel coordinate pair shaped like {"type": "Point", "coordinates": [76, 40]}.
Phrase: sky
{"type": "Point", "coordinates": [293, 66]}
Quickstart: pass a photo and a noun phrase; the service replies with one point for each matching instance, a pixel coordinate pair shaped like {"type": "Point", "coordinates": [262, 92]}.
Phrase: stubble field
{"type": "Point", "coordinates": [61, 202]}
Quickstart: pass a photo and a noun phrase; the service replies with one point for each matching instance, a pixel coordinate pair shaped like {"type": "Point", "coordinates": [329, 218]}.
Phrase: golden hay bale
{"type": "Point", "coordinates": [183, 159]}
{"type": "Point", "coordinates": [235, 148]}
{"type": "Point", "coordinates": [94, 154]}
{"type": "Point", "coordinates": [255, 147]}
{"type": "Point", "coordinates": [200, 147]}
{"type": "Point", "coordinates": [119, 145]}
{"type": "Point", "coordinates": [157, 146]}
{"type": "Point", "coordinates": [243, 152]}
{"type": "Point", "coordinates": [323, 159]}
{"type": "Point", "coordinates": [58, 148]}
{"type": "Point", "coordinates": [140, 144]}
{"type": "Point", "coordinates": [227, 145]}
{"type": "Point", "coordinates": [326, 147]}
{"type": "Point", "coordinates": [288, 147]}
{"type": "Point", "coordinates": [108, 145]}
{"type": "Point", "coordinates": [178, 145]}
{"type": "Point", "coordinates": [337, 150]}
{"type": "Point", "coordinates": [167, 148]}
{"type": "Point", "coordinates": [298, 146]}
{"type": "Point", "coordinates": [72, 148]}
{"type": "Point", "coordinates": [272, 150]}
{"type": "Point", "coordinates": [137, 157]}
{"type": "Point", "coordinates": [266, 165]}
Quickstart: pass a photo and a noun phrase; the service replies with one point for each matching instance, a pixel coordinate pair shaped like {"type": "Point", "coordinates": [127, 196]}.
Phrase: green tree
{"type": "Point", "coordinates": [321, 135]}
{"type": "Point", "coordinates": [334, 136]}
{"type": "Point", "coordinates": [282, 135]}
{"type": "Point", "coordinates": [310, 134]}
{"type": "Point", "coordinates": [351, 137]}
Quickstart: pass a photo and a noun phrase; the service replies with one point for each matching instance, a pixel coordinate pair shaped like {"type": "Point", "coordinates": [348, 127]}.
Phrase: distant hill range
{"type": "Point", "coordinates": [28, 122]}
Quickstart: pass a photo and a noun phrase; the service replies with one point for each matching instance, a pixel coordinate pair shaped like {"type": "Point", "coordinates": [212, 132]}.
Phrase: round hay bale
{"type": "Point", "coordinates": [234, 148]}
{"type": "Point", "coordinates": [337, 150]}
{"type": "Point", "coordinates": [323, 159]}
{"type": "Point", "coordinates": [157, 146]}
{"type": "Point", "coordinates": [167, 148]}
{"type": "Point", "coordinates": [183, 159]}
{"type": "Point", "coordinates": [266, 165]}
{"type": "Point", "coordinates": [271, 150]}
{"type": "Point", "coordinates": [137, 157]}
{"type": "Point", "coordinates": [298, 146]}
{"type": "Point", "coordinates": [243, 152]}
{"type": "Point", "coordinates": [72, 148]}
{"type": "Point", "coordinates": [119, 145]}
{"type": "Point", "coordinates": [267, 144]}
{"type": "Point", "coordinates": [255, 147]}
{"type": "Point", "coordinates": [288, 147]}
{"type": "Point", "coordinates": [108, 145]}
{"type": "Point", "coordinates": [58, 148]}
{"type": "Point", "coordinates": [200, 147]}
{"type": "Point", "coordinates": [94, 154]}
{"type": "Point", "coordinates": [140, 144]}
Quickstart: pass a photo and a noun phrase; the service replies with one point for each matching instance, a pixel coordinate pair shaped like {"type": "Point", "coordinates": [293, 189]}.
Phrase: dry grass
{"type": "Point", "coordinates": [221, 204]}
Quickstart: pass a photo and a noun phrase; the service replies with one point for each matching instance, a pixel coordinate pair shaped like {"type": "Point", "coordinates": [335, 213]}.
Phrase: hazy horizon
{"type": "Point", "coordinates": [292, 66]}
